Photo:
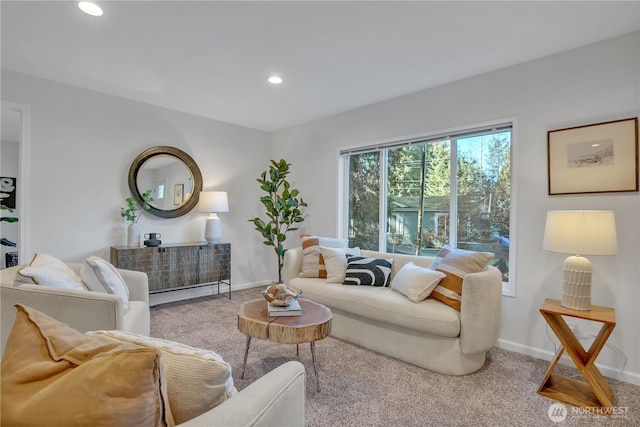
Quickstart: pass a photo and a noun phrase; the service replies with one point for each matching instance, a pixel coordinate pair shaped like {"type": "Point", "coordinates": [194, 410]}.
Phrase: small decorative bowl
{"type": "Point", "coordinates": [280, 298]}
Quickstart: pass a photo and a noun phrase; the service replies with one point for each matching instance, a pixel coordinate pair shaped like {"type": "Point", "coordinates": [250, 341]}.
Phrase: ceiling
{"type": "Point", "coordinates": [212, 58]}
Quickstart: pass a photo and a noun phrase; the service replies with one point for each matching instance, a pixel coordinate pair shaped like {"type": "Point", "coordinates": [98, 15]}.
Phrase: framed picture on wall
{"type": "Point", "coordinates": [178, 194]}
{"type": "Point", "coordinates": [8, 192]}
{"type": "Point", "coordinates": [597, 158]}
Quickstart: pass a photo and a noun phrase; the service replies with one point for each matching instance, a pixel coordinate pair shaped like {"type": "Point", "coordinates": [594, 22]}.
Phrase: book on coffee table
{"type": "Point", "coordinates": [293, 309]}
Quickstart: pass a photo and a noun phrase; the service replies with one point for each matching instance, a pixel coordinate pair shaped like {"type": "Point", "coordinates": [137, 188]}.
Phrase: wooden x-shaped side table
{"type": "Point", "coordinates": [595, 394]}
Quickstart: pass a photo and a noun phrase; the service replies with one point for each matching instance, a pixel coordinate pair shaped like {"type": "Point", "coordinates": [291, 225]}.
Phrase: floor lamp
{"type": "Point", "coordinates": [213, 202]}
{"type": "Point", "coordinates": [579, 233]}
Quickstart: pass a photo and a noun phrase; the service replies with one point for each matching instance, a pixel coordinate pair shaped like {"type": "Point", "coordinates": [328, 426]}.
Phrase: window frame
{"type": "Point", "coordinates": [509, 287]}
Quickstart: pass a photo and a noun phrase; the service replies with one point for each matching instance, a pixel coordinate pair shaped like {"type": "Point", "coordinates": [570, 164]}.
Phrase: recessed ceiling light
{"type": "Point", "coordinates": [90, 8]}
{"type": "Point", "coordinates": [275, 80]}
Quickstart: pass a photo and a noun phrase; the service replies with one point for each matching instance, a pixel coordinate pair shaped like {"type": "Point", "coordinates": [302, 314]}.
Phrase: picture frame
{"type": "Point", "coordinates": [178, 194]}
{"type": "Point", "coordinates": [595, 158]}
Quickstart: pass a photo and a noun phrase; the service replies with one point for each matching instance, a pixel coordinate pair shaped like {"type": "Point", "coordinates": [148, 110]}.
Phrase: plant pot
{"type": "Point", "coordinates": [133, 235]}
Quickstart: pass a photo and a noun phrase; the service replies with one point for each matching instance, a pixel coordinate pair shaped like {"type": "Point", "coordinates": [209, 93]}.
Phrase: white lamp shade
{"type": "Point", "coordinates": [213, 201]}
{"type": "Point", "coordinates": [581, 232]}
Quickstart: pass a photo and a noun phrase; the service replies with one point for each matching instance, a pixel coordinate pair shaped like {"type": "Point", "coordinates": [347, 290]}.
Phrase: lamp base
{"type": "Point", "coordinates": [576, 284]}
{"type": "Point", "coordinates": [213, 229]}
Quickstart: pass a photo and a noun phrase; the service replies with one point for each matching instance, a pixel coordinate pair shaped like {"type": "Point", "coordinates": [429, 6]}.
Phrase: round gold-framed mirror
{"type": "Point", "coordinates": [173, 178]}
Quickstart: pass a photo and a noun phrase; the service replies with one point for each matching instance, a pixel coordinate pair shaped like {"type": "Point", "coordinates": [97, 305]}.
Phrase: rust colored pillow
{"type": "Point", "coordinates": [456, 264]}
{"type": "Point", "coordinates": [54, 375]}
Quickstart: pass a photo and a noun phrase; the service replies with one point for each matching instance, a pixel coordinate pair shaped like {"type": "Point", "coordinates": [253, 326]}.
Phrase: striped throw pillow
{"type": "Point", "coordinates": [456, 264]}
{"type": "Point", "coordinates": [312, 260]}
{"type": "Point", "coordinates": [368, 271]}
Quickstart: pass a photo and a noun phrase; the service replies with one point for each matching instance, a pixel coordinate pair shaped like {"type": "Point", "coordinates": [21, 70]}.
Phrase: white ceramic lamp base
{"type": "Point", "coordinates": [576, 284]}
{"type": "Point", "coordinates": [213, 229]}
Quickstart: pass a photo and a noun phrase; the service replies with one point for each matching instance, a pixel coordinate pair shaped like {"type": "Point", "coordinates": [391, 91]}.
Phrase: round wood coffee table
{"type": "Point", "coordinates": [313, 325]}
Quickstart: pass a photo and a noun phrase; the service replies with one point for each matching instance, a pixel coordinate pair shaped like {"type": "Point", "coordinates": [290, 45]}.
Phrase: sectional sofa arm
{"type": "Point", "coordinates": [276, 399]}
{"type": "Point", "coordinates": [481, 310]}
{"type": "Point", "coordinates": [138, 284]}
{"type": "Point", "coordinates": [292, 264]}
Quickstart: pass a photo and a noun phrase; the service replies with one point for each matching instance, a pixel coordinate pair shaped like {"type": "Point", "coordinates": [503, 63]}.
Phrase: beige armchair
{"type": "Point", "coordinates": [82, 310]}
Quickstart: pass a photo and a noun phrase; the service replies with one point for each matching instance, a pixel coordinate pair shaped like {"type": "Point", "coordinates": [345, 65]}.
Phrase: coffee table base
{"type": "Point", "coordinates": [313, 359]}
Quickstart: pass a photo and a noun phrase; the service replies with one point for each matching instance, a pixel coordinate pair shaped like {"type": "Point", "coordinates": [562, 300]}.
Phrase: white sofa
{"type": "Point", "coordinates": [82, 310]}
{"type": "Point", "coordinates": [428, 334]}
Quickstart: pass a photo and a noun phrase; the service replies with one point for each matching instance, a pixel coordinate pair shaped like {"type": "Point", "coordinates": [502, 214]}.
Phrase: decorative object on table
{"type": "Point", "coordinates": [152, 239]}
{"type": "Point", "coordinates": [579, 233]}
{"type": "Point", "coordinates": [133, 232]}
{"type": "Point", "coordinates": [213, 202]}
{"type": "Point", "coordinates": [282, 205]}
{"type": "Point", "coordinates": [596, 158]}
{"type": "Point", "coordinates": [290, 310]}
{"type": "Point", "coordinates": [280, 295]}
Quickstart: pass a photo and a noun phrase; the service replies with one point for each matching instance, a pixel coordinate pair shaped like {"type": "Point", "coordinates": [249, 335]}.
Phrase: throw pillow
{"type": "Point", "coordinates": [456, 264]}
{"type": "Point", "coordinates": [416, 283]}
{"type": "Point", "coordinates": [197, 380]}
{"type": "Point", "coordinates": [47, 270]}
{"type": "Point", "coordinates": [53, 375]}
{"type": "Point", "coordinates": [312, 260]}
{"type": "Point", "coordinates": [335, 261]}
{"type": "Point", "coordinates": [101, 276]}
{"type": "Point", "coordinates": [368, 271]}
{"type": "Point", "coordinates": [440, 256]}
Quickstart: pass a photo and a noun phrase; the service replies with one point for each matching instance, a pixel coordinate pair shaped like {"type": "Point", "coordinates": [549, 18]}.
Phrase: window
{"type": "Point", "coordinates": [415, 196]}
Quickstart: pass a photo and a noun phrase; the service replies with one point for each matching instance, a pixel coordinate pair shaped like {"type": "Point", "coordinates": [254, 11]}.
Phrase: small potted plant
{"type": "Point", "coordinates": [133, 232]}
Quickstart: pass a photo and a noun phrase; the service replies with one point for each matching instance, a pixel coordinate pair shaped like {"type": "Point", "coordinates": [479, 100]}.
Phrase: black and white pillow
{"type": "Point", "coordinates": [368, 271]}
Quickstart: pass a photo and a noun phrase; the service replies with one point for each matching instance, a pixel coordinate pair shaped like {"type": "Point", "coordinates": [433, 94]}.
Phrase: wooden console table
{"type": "Point", "coordinates": [595, 394]}
{"type": "Point", "coordinates": [178, 266]}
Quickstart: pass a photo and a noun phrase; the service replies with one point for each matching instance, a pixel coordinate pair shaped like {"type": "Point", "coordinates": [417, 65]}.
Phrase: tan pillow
{"type": "Point", "coordinates": [53, 375]}
{"type": "Point", "coordinates": [197, 380]}
{"type": "Point", "coordinates": [456, 264]}
{"type": "Point", "coordinates": [312, 260]}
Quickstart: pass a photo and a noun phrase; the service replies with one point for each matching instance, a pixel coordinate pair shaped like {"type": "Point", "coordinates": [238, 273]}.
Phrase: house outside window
{"type": "Point", "coordinates": [416, 196]}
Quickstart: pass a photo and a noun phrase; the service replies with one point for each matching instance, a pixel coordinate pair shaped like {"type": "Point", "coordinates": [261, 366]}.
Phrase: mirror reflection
{"type": "Point", "coordinates": [172, 177]}
{"type": "Point", "coordinates": [169, 180]}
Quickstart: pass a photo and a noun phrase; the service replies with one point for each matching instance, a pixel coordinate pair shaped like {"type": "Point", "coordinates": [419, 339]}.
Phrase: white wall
{"type": "Point", "coordinates": [82, 145]}
{"type": "Point", "coordinates": [591, 84]}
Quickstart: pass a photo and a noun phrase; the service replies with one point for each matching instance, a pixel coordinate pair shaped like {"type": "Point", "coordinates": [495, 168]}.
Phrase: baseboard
{"type": "Point", "coordinates": [202, 291]}
{"type": "Point", "coordinates": [608, 371]}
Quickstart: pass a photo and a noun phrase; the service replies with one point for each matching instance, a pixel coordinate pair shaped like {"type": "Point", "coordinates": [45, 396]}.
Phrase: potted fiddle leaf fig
{"type": "Point", "coordinates": [282, 206]}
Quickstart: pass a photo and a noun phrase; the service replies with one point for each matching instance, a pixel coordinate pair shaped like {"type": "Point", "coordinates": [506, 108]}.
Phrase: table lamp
{"type": "Point", "coordinates": [579, 233]}
{"type": "Point", "coordinates": [213, 202]}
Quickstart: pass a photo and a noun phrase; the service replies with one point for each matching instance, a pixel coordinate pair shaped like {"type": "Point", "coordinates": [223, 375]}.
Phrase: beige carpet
{"type": "Point", "coordinates": [363, 388]}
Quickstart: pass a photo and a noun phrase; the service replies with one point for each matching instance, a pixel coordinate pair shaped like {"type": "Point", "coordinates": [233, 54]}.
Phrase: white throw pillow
{"type": "Point", "coordinates": [335, 262]}
{"type": "Point", "coordinates": [47, 270]}
{"type": "Point", "coordinates": [197, 380]}
{"type": "Point", "coordinates": [101, 276]}
{"type": "Point", "coordinates": [416, 283]}
{"type": "Point", "coordinates": [312, 259]}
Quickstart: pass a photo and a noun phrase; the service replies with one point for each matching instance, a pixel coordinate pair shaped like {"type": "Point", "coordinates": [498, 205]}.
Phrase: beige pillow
{"type": "Point", "coordinates": [335, 262]}
{"type": "Point", "coordinates": [312, 260]}
{"type": "Point", "coordinates": [100, 275]}
{"type": "Point", "coordinates": [197, 380]}
{"type": "Point", "coordinates": [53, 375]}
{"type": "Point", "coordinates": [456, 264]}
{"type": "Point", "coordinates": [47, 270]}
{"type": "Point", "coordinates": [416, 283]}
